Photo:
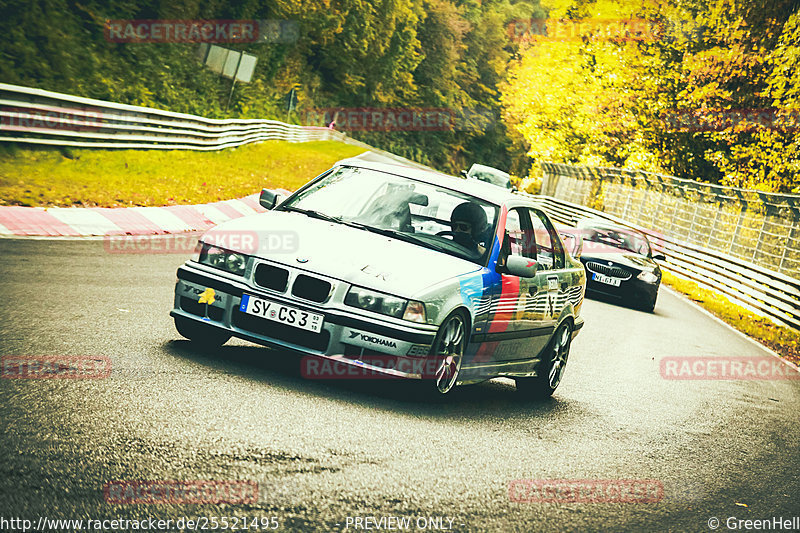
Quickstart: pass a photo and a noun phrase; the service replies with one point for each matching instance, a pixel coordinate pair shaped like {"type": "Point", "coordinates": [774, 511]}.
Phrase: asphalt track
{"type": "Point", "coordinates": [321, 452]}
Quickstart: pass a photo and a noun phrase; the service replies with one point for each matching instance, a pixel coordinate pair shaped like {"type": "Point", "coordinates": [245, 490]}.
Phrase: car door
{"type": "Point", "coordinates": [551, 279]}
{"type": "Point", "coordinates": [518, 323]}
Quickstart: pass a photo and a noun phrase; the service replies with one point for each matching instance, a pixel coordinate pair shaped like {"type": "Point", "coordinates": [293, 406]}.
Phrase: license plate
{"type": "Point", "coordinates": [291, 316]}
{"type": "Point", "coordinates": [606, 279]}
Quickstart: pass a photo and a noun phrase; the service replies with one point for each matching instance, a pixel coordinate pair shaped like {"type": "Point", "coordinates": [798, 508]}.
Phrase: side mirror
{"type": "Point", "coordinates": [521, 266]}
{"type": "Point", "coordinates": [659, 257]}
{"type": "Point", "coordinates": [464, 173]}
{"type": "Point", "coordinates": [269, 199]}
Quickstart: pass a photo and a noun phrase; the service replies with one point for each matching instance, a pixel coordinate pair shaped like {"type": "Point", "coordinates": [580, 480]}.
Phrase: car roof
{"type": "Point", "coordinates": [492, 170]}
{"type": "Point", "coordinates": [479, 189]}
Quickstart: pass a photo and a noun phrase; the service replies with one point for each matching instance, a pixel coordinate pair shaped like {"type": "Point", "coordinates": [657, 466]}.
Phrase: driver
{"type": "Point", "coordinates": [468, 222]}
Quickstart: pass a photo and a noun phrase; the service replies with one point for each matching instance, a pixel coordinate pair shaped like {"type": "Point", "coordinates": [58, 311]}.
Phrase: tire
{"type": "Point", "coordinates": [448, 352]}
{"type": "Point", "coordinates": [206, 336]}
{"type": "Point", "coordinates": [551, 368]}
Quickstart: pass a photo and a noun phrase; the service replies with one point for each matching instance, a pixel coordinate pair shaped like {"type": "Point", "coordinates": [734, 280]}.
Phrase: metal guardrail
{"type": "Point", "coordinates": [36, 116]}
{"type": "Point", "coordinates": [755, 226]}
{"type": "Point", "coordinates": [765, 291]}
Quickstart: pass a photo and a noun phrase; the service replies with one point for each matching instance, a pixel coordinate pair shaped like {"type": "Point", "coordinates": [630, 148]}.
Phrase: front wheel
{"type": "Point", "coordinates": [448, 352]}
{"type": "Point", "coordinates": [648, 303]}
{"type": "Point", "coordinates": [551, 368]}
{"type": "Point", "coordinates": [201, 334]}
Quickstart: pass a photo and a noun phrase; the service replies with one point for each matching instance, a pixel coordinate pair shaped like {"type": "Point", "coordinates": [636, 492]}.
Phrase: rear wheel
{"type": "Point", "coordinates": [551, 368]}
{"type": "Point", "coordinates": [448, 352]}
{"type": "Point", "coordinates": [204, 335]}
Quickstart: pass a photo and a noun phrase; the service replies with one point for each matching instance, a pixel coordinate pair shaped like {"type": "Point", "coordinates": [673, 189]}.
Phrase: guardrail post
{"type": "Point", "coordinates": [681, 195]}
{"type": "Point", "coordinates": [767, 213]}
{"type": "Point", "coordinates": [627, 195]}
{"type": "Point", "coordinates": [742, 212]}
{"type": "Point", "coordinates": [661, 192]}
{"type": "Point", "coordinates": [690, 234]}
{"type": "Point", "coordinates": [759, 239]}
{"type": "Point", "coordinates": [788, 244]}
{"type": "Point", "coordinates": [713, 233]}
{"type": "Point", "coordinates": [645, 189]}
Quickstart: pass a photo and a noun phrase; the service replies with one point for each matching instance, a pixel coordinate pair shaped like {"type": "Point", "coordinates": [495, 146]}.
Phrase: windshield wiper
{"type": "Point", "coordinates": [396, 234]}
{"type": "Point", "coordinates": [315, 214]}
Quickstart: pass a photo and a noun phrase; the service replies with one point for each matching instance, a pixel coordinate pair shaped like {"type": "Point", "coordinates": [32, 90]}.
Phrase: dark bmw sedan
{"type": "Point", "coordinates": [619, 263]}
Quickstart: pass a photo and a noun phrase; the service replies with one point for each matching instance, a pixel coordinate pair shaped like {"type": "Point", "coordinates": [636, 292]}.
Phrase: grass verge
{"type": "Point", "coordinates": [783, 340]}
{"type": "Point", "coordinates": [119, 178]}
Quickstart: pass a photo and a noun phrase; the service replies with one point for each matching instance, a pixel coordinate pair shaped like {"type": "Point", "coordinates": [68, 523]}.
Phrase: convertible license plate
{"type": "Point", "coordinates": [606, 279]}
{"type": "Point", "coordinates": [291, 316]}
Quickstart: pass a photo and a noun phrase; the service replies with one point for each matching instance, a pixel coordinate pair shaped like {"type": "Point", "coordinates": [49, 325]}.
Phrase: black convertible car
{"type": "Point", "coordinates": [619, 262]}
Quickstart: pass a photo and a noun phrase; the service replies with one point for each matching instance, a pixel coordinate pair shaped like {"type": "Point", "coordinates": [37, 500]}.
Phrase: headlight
{"type": "Point", "coordinates": [647, 277]}
{"type": "Point", "coordinates": [223, 259]}
{"type": "Point", "coordinates": [379, 302]}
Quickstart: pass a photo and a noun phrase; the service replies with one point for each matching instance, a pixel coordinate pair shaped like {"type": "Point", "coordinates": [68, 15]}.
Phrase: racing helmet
{"type": "Point", "coordinates": [473, 214]}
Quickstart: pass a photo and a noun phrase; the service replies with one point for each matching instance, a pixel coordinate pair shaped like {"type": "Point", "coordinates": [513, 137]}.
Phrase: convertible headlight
{"type": "Point", "coordinates": [647, 277]}
{"type": "Point", "coordinates": [379, 302]}
{"type": "Point", "coordinates": [232, 262]}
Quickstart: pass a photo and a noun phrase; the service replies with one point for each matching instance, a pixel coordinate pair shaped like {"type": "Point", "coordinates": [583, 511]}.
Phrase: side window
{"type": "Point", "coordinates": [549, 252]}
{"type": "Point", "coordinates": [518, 236]}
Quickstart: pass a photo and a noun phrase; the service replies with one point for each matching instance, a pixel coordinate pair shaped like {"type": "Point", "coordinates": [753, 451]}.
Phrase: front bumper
{"type": "Point", "coordinates": [346, 337]}
{"type": "Point", "coordinates": [631, 290]}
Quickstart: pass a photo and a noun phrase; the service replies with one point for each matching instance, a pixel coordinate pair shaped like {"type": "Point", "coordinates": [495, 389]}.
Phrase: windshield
{"type": "Point", "coordinates": [426, 215]}
{"type": "Point", "coordinates": [619, 238]}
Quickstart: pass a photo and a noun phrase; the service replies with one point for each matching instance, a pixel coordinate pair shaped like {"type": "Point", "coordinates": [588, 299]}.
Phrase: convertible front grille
{"type": "Point", "coordinates": [271, 277]}
{"type": "Point", "coordinates": [314, 341]}
{"type": "Point", "coordinates": [313, 289]}
{"type": "Point", "coordinates": [613, 271]}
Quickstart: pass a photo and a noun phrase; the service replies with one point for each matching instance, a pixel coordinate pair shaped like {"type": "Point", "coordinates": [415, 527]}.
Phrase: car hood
{"type": "Point", "coordinates": [342, 252]}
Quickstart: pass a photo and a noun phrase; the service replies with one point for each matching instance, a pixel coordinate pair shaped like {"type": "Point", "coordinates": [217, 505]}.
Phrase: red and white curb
{"type": "Point", "coordinates": [93, 221]}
